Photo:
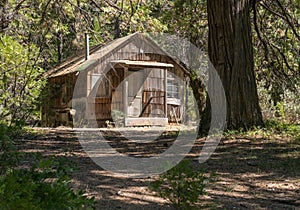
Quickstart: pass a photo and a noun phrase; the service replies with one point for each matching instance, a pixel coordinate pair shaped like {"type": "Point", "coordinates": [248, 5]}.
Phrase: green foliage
{"type": "Point", "coordinates": [46, 24]}
{"type": "Point", "coordinates": [118, 117]}
{"type": "Point", "coordinates": [20, 84]}
{"type": "Point", "coordinates": [8, 153]}
{"type": "Point", "coordinates": [181, 185]}
{"type": "Point", "coordinates": [43, 186]}
{"type": "Point", "coordinates": [276, 44]}
{"type": "Point", "coordinates": [141, 19]}
{"type": "Point", "coordinates": [271, 128]}
{"type": "Point", "coordinates": [186, 19]}
{"type": "Point", "coordinates": [287, 108]}
{"type": "Point", "coordinates": [9, 156]}
{"type": "Point", "coordinates": [292, 130]}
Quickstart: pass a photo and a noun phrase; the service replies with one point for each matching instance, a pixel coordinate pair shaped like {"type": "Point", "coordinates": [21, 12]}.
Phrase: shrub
{"type": "Point", "coordinates": [8, 153]}
{"type": "Point", "coordinates": [43, 186]}
{"type": "Point", "coordinates": [181, 185]}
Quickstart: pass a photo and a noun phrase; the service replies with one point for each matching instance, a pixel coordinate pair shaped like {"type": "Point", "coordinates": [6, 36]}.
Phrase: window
{"type": "Point", "coordinates": [172, 88]}
{"type": "Point", "coordinates": [102, 88]}
{"type": "Point", "coordinates": [94, 79]}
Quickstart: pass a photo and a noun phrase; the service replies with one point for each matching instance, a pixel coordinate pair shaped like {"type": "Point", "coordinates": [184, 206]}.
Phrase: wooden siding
{"type": "Point", "coordinates": [57, 104]}
{"type": "Point", "coordinates": [105, 97]}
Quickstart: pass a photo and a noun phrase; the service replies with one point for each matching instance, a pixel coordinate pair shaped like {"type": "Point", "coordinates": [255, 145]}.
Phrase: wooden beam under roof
{"type": "Point", "coordinates": [142, 63]}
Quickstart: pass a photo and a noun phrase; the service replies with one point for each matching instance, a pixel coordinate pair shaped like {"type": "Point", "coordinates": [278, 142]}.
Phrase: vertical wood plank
{"type": "Point", "coordinates": [165, 96]}
{"type": "Point", "coordinates": [88, 84]}
{"type": "Point", "coordinates": [125, 92]}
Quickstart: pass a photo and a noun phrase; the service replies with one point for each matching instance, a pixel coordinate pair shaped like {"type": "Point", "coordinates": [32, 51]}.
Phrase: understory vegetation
{"type": "Point", "coordinates": [43, 184]}
{"type": "Point", "coordinates": [182, 185]}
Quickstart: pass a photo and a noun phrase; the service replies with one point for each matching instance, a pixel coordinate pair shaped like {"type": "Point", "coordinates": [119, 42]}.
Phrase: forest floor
{"type": "Point", "coordinates": [253, 171]}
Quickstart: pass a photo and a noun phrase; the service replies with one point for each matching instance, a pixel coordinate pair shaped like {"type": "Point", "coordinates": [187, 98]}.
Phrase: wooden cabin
{"type": "Point", "coordinates": [130, 81]}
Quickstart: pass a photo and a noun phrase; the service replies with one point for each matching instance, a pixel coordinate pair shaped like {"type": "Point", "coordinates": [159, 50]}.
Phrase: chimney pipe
{"type": "Point", "coordinates": [87, 47]}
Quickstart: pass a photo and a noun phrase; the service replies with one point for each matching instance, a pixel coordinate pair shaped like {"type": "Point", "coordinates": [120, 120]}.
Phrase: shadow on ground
{"type": "Point", "coordinates": [252, 172]}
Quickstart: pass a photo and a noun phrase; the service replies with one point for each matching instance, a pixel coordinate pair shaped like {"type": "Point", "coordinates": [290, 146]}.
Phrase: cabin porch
{"type": "Point", "coordinates": [140, 97]}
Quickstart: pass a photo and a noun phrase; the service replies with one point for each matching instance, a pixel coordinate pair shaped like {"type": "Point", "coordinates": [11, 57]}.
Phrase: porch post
{"type": "Point", "coordinates": [186, 117]}
{"type": "Point", "coordinates": [125, 92]}
{"type": "Point", "coordinates": [126, 99]}
{"type": "Point", "coordinates": [166, 89]}
{"type": "Point", "coordinates": [89, 100]}
{"type": "Point", "coordinates": [88, 84]}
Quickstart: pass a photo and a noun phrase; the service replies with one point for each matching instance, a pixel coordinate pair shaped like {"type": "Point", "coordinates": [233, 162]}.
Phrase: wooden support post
{"type": "Point", "coordinates": [166, 92]}
{"type": "Point", "coordinates": [126, 99]}
{"type": "Point", "coordinates": [88, 91]}
{"type": "Point", "coordinates": [186, 103]}
{"type": "Point", "coordinates": [125, 92]}
{"type": "Point", "coordinates": [88, 84]}
{"type": "Point", "coordinates": [87, 47]}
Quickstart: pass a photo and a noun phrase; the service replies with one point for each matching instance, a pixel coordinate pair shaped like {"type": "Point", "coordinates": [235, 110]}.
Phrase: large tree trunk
{"type": "Point", "coordinates": [231, 54]}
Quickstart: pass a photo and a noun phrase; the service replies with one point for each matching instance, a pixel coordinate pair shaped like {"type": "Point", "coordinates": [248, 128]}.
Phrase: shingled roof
{"type": "Point", "coordinates": [100, 52]}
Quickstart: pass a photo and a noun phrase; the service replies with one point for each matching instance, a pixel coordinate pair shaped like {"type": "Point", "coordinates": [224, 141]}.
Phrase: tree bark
{"type": "Point", "coordinates": [231, 54]}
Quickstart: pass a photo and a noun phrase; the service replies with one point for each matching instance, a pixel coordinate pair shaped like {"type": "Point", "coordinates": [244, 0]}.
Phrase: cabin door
{"type": "Point", "coordinates": [135, 87]}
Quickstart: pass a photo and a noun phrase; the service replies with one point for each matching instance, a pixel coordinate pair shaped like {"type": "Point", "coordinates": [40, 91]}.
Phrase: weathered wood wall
{"type": "Point", "coordinates": [56, 106]}
{"type": "Point", "coordinates": [105, 96]}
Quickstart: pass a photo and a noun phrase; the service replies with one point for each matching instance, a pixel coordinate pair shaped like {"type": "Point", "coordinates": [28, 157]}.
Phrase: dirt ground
{"type": "Point", "coordinates": [253, 172]}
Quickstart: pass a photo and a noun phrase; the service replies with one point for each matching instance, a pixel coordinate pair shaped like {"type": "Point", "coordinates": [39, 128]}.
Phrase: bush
{"type": "Point", "coordinates": [8, 153]}
{"type": "Point", "coordinates": [283, 127]}
{"type": "Point", "coordinates": [182, 185]}
{"type": "Point", "coordinates": [43, 186]}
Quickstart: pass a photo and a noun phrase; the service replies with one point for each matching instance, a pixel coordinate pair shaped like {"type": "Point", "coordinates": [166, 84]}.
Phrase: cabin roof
{"type": "Point", "coordinates": [99, 52]}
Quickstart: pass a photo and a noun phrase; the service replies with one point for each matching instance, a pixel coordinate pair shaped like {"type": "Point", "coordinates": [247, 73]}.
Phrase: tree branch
{"type": "Point", "coordinates": [44, 12]}
{"type": "Point", "coordinates": [110, 4]}
{"type": "Point", "coordinates": [265, 45]}
{"type": "Point", "coordinates": [288, 19]}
